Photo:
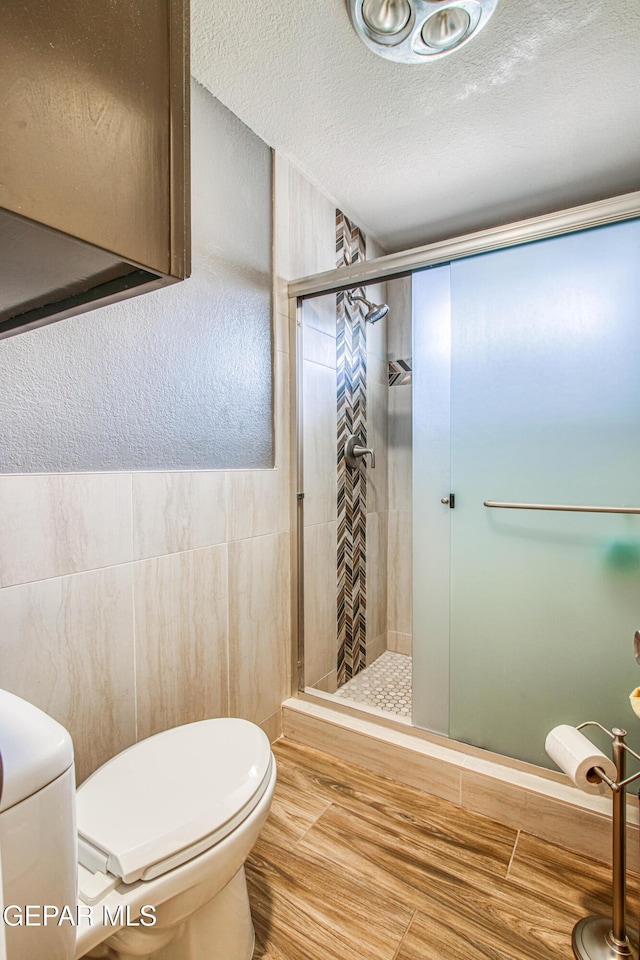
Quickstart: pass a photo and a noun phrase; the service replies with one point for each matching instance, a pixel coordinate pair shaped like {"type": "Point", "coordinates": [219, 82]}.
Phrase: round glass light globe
{"type": "Point", "coordinates": [446, 28]}
{"type": "Point", "coordinates": [386, 16]}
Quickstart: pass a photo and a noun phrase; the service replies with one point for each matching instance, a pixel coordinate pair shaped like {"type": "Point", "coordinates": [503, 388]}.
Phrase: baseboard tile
{"type": "Point", "coordinates": [528, 798]}
{"type": "Point", "coordinates": [272, 726]}
{"type": "Point", "coordinates": [400, 642]}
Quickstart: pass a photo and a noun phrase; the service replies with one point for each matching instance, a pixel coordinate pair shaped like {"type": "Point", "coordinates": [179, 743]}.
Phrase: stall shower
{"type": "Point", "coordinates": [489, 560]}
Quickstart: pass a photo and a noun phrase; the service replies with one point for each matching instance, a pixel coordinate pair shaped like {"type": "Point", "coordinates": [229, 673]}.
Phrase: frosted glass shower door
{"type": "Point", "coordinates": [545, 408]}
{"type": "Point", "coordinates": [527, 390]}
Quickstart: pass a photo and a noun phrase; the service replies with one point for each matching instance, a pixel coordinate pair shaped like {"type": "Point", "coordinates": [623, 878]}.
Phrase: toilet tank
{"type": "Point", "coordinates": [38, 843]}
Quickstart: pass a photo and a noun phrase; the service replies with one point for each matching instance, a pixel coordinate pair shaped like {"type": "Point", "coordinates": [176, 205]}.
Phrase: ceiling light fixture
{"type": "Point", "coordinates": [417, 31]}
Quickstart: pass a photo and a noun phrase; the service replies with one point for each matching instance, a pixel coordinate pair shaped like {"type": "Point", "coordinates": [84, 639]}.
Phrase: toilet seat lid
{"type": "Point", "coordinates": [168, 798]}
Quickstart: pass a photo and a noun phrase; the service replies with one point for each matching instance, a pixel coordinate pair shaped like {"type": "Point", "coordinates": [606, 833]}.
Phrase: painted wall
{"type": "Point", "coordinates": [131, 601]}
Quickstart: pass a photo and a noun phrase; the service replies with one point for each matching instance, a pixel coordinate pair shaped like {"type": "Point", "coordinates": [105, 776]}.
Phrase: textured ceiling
{"type": "Point", "coordinates": [541, 111]}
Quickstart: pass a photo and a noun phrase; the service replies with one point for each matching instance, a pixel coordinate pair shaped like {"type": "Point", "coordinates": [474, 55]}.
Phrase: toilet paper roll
{"type": "Point", "coordinates": [577, 756]}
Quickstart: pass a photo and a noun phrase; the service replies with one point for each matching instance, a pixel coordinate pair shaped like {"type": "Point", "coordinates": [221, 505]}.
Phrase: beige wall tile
{"type": "Point", "coordinates": [376, 647]}
{"type": "Point", "coordinates": [377, 479]}
{"type": "Point", "coordinates": [312, 224]}
{"type": "Point", "coordinates": [319, 313]}
{"type": "Point", "coordinates": [376, 576]}
{"type": "Point", "coordinates": [320, 601]}
{"type": "Point", "coordinates": [400, 448]}
{"type": "Point", "coordinates": [319, 347]}
{"type": "Point", "coordinates": [181, 638]}
{"type": "Point", "coordinates": [377, 369]}
{"type": "Point", "coordinates": [399, 325]}
{"type": "Point", "coordinates": [66, 645]}
{"type": "Point", "coordinates": [377, 336]}
{"type": "Point", "coordinates": [320, 443]}
{"type": "Point", "coordinates": [259, 626]}
{"type": "Point", "coordinates": [329, 683]}
{"type": "Point", "coordinates": [400, 572]}
{"type": "Point", "coordinates": [400, 643]}
{"type": "Point", "coordinates": [377, 332]}
{"type": "Point", "coordinates": [272, 726]}
{"type": "Point", "coordinates": [258, 503]}
{"type": "Point", "coordinates": [57, 524]}
{"type": "Point", "coordinates": [374, 248]}
{"type": "Point", "coordinates": [173, 512]}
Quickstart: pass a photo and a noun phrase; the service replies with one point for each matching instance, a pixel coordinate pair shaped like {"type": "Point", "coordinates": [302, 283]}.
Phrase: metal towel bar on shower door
{"type": "Point", "coordinates": [571, 508]}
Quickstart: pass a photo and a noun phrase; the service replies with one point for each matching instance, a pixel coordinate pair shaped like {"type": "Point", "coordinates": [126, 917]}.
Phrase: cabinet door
{"type": "Point", "coordinates": [89, 95]}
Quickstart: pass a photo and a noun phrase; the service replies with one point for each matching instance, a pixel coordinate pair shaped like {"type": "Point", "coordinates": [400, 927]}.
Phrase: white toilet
{"type": "Point", "coordinates": [155, 867]}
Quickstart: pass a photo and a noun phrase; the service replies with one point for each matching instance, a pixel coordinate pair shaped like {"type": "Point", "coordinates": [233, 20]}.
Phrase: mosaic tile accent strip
{"type": "Point", "coordinates": [385, 684]}
{"type": "Point", "coordinates": [400, 372]}
{"type": "Point", "coordinates": [351, 369]}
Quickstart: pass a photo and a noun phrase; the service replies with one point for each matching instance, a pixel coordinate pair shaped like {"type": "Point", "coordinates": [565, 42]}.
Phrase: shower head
{"type": "Point", "coordinates": [375, 311]}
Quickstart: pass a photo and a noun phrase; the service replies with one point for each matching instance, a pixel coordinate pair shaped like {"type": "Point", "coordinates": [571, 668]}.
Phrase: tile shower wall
{"type": "Point", "coordinates": [400, 529]}
{"type": "Point", "coordinates": [320, 378]}
{"type": "Point", "coordinates": [378, 486]}
{"type": "Point", "coordinates": [130, 602]}
{"type": "Point", "coordinates": [351, 389]}
{"type": "Point", "coordinates": [313, 241]}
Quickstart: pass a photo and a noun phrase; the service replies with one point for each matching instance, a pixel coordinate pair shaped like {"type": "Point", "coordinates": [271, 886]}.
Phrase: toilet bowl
{"type": "Point", "coordinates": [163, 830]}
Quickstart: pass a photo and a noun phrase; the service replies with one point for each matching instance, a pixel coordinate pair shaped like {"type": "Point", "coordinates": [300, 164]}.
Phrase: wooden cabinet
{"type": "Point", "coordinates": [94, 154]}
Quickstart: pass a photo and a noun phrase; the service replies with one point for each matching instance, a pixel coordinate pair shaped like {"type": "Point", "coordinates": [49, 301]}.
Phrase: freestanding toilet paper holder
{"type": "Point", "coordinates": [601, 938]}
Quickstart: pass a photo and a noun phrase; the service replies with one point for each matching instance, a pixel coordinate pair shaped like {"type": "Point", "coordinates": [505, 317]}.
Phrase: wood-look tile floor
{"type": "Point", "coordinates": [352, 865]}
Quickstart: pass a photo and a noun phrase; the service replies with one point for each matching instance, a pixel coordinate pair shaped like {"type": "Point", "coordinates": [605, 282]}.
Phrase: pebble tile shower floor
{"type": "Point", "coordinates": [385, 684]}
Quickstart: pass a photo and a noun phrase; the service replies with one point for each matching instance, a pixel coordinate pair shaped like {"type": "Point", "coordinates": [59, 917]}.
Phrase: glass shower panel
{"type": "Point", "coordinates": [545, 408]}
{"type": "Point", "coordinates": [431, 484]}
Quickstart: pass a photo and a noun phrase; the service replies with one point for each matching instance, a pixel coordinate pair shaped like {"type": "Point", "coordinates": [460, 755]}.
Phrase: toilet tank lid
{"type": "Point", "coordinates": [35, 749]}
